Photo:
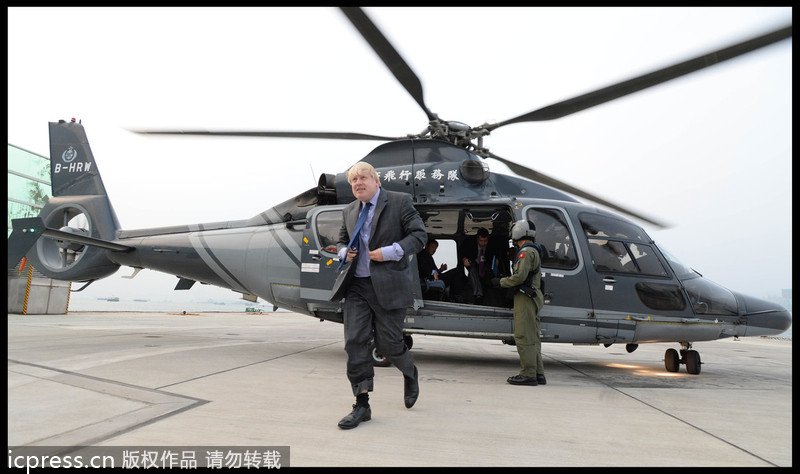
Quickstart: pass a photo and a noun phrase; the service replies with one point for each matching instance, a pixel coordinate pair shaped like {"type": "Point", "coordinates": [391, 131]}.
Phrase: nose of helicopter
{"type": "Point", "coordinates": [765, 318]}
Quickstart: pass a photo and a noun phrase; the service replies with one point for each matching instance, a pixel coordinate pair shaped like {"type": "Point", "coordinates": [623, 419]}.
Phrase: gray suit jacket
{"type": "Point", "coordinates": [395, 220]}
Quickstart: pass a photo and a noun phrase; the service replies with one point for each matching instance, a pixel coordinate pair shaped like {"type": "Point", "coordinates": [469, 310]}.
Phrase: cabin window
{"type": "Point", "coordinates": [553, 235]}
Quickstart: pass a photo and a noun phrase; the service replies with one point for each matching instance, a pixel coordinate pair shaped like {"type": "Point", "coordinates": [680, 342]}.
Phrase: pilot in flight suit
{"type": "Point", "coordinates": [527, 272]}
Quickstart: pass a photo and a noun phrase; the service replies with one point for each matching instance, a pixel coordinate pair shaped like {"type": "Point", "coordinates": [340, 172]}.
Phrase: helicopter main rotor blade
{"type": "Point", "coordinates": [401, 70]}
{"type": "Point", "coordinates": [562, 186]}
{"type": "Point", "coordinates": [606, 94]}
{"type": "Point", "coordinates": [330, 135]}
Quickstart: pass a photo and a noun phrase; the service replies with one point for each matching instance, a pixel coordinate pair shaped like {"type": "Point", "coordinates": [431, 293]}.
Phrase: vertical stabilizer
{"type": "Point", "coordinates": [73, 171]}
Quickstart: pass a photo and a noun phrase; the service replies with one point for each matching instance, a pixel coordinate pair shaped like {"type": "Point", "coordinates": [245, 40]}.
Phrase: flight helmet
{"type": "Point", "coordinates": [523, 229]}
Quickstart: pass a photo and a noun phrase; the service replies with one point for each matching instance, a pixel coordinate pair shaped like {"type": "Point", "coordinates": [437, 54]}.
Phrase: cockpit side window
{"type": "Point", "coordinates": [611, 256]}
{"type": "Point", "coordinates": [646, 259]}
{"type": "Point", "coordinates": [596, 225]}
{"type": "Point", "coordinates": [618, 246]}
{"type": "Point", "coordinates": [554, 236]}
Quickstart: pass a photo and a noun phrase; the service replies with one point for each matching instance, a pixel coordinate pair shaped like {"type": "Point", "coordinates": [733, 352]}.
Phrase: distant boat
{"type": "Point", "coordinates": [111, 298]}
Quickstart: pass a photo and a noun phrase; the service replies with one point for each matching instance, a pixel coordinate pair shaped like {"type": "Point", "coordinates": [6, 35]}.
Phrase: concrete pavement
{"type": "Point", "coordinates": [278, 379]}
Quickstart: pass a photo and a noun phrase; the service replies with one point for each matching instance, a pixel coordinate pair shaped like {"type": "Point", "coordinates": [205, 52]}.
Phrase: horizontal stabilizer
{"type": "Point", "coordinates": [184, 284]}
{"type": "Point", "coordinates": [82, 239]}
{"type": "Point", "coordinates": [24, 234]}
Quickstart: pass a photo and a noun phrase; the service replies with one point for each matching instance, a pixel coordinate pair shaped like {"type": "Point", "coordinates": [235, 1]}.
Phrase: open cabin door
{"type": "Point", "coordinates": [318, 260]}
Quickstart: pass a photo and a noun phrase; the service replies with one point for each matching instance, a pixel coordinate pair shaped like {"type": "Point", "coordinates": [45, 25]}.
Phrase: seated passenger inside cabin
{"type": "Point", "coordinates": [611, 256]}
{"type": "Point", "coordinates": [482, 258]}
{"type": "Point", "coordinates": [430, 276]}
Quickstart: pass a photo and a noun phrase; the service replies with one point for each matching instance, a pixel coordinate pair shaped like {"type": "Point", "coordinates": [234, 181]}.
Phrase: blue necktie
{"type": "Point", "coordinates": [354, 241]}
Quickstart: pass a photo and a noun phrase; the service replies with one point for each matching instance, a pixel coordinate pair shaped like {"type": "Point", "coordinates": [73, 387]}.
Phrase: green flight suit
{"type": "Point", "coordinates": [526, 312]}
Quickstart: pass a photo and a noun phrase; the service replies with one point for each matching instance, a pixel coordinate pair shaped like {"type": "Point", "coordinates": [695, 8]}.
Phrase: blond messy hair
{"type": "Point", "coordinates": [362, 167]}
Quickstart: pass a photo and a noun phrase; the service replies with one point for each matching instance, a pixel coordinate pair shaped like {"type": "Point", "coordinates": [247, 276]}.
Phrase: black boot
{"type": "Point", "coordinates": [360, 413]}
{"type": "Point", "coordinates": [411, 388]}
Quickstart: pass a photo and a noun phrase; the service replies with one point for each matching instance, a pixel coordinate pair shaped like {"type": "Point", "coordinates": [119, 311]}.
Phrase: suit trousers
{"type": "Point", "coordinates": [363, 316]}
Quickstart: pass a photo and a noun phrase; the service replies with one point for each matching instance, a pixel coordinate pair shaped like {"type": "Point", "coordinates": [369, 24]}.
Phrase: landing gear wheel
{"type": "Point", "coordinates": [693, 362]}
{"type": "Point", "coordinates": [672, 360]}
{"type": "Point", "coordinates": [409, 341]}
{"type": "Point", "coordinates": [377, 359]}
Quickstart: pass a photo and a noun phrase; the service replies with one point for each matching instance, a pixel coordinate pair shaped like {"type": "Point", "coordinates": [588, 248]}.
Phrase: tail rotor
{"type": "Point", "coordinates": [73, 236]}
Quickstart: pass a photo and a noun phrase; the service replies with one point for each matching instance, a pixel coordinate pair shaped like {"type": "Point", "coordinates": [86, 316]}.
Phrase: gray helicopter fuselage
{"type": "Point", "coordinates": [292, 265]}
{"type": "Point", "coordinates": [286, 254]}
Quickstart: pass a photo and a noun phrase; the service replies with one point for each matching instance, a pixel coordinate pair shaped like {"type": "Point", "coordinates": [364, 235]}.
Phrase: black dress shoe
{"type": "Point", "coordinates": [522, 380]}
{"type": "Point", "coordinates": [360, 413]}
{"type": "Point", "coordinates": [411, 388]}
{"type": "Point", "coordinates": [540, 379]}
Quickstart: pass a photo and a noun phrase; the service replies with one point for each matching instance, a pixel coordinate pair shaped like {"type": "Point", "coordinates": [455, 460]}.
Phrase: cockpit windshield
{"type": "Point", "coordinates": [705, 296]}
{"type": "Point", "coordinates": [681, 270]}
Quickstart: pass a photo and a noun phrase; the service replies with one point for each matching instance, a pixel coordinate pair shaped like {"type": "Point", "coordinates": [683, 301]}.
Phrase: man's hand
{"type": "Point", "coordinates": [376, 255]}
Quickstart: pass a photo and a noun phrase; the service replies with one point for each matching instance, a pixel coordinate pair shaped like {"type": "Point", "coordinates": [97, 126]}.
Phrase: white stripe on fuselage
{"type": "Point", "coordinates": [283, 238]}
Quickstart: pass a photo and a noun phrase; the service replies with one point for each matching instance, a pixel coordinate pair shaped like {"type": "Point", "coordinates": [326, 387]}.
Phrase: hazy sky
{"type": "Point", "coordinates": [709, 153]}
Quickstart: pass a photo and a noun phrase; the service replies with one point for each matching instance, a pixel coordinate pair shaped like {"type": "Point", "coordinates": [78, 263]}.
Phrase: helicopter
{"type": "Point", "coordinates": [284, 254]}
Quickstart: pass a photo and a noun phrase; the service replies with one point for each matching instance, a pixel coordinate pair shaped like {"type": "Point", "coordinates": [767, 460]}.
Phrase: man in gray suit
{"type": "Point", "coordinates": [382, 287]}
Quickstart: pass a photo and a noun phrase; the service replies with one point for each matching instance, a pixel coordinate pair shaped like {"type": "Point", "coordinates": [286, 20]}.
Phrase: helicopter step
{"type": "Point", "coordinates": [460, 320]}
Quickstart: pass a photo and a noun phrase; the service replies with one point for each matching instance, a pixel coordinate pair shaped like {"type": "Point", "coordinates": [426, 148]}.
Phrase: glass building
{"type": "Point", "coordinates": [28, 183]}
{"type": "Point", "coordinates": [29, 189]}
